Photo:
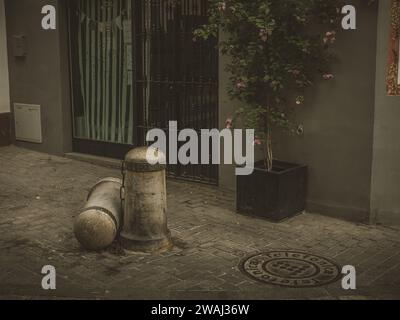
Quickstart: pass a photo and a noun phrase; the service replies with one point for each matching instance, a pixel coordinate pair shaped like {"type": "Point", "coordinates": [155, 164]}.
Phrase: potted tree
{"type": "Point", "coordinates": [277, 50]}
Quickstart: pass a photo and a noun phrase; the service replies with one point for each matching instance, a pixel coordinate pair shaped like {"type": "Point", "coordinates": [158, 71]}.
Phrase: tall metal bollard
{"type": "Point", "coordinates": [145, 226]}
{"type": "Point", "coordinates": [99, 222]}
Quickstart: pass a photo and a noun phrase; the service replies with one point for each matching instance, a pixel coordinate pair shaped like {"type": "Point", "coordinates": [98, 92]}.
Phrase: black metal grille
{"type": "Point", "coordinates": [176, 76]}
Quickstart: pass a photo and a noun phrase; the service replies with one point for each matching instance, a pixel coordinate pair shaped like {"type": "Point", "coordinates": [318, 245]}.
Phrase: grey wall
{"type": "Point", "coordinates": [4, 84]}
{"type": "Point", "coordinates": [385, 192]}
{"type": "Point", "coordinates": [338, 121]}
{"type": "Point", "coordinates": [227, 108]}
{"type": "Point", "coordinates": [42, 76]}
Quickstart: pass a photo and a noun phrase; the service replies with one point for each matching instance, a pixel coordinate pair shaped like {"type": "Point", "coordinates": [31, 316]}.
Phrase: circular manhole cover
{"type": "Point", "coordinates": [291, 269]}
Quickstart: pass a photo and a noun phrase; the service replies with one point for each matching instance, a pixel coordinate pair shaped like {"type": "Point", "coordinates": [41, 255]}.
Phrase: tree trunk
{"type": "Point", "coordinates": [268, 150]}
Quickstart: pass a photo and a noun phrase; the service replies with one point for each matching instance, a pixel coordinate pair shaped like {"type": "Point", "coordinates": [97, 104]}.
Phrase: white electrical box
{"type": "Point", "coordinates": [28, 123]}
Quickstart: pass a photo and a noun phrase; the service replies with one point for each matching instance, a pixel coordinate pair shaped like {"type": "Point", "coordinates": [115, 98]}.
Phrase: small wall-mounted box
{"type": "Point", "coordinates": [19, 46]}
{"type": "Point", "coordinates": [28, 123]}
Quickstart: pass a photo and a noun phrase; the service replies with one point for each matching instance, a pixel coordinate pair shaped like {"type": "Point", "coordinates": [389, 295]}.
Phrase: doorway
{"type": "Point", "coordinates": [136, 66]}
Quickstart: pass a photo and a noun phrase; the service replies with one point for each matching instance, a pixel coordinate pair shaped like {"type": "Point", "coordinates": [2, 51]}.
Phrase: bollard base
{"type": "Point", "coordinates": [146, 246]}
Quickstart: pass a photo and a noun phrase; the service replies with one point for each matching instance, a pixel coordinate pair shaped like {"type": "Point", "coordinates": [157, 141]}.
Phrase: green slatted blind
{"type": "Point", "coordinates": [105, 71]}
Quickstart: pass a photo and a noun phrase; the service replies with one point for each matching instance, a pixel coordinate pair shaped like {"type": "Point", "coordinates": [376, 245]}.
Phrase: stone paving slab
{"type": "Point", "coordinates": [40, 195]}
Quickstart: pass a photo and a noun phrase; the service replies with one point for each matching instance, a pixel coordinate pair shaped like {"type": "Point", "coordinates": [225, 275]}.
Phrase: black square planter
{"type": "Point", "coordinates": [275, 195]}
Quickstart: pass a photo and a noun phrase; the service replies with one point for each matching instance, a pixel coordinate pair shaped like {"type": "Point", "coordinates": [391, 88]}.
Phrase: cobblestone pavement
{"type": "Point", "coordinates": [41, 194]}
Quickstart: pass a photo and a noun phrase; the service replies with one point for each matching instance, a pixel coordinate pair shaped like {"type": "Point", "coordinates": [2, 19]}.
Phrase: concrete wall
{"type": "Point", "coordinates": [338, 122]}
{"type": "Point", "coordinates": [385, 192]}
{"type": "Point", "coordinates": [227, 107]}
{"type": "Point", "coordinates": [4, 84]}
{"type": "Point", "coordinates": [42, 76]}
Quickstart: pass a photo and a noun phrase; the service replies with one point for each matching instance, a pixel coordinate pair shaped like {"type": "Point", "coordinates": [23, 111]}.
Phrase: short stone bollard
{"type": "Point", "coordinates": [145, 226]}
{"type": "Point", "coordinates": [99, 222]}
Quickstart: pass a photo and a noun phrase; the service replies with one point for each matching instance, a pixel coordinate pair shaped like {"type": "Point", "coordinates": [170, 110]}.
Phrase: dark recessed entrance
{"type": "Point", "coordinates": [136, 66]}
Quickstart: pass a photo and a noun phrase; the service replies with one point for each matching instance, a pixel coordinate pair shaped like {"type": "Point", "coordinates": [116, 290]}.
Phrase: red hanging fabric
{"type": "Point", "coordinates": [393, 79]}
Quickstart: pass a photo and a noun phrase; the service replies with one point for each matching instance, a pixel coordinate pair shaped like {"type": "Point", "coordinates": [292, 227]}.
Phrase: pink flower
{"type": "Point", "coordinates": [257, 142]}
{"type": "Point", "coordinates": [229, 123]}
{"type": "Point", "coordinates": [222, 6]}
{"type": "Point", "coordinates": [330, 37]}
{"type": "Point", "coordinates": [240, 84]}
{"type": "Point", "coordinates": [264, 33]}
{"type": "Point", "coordinates": [328, 76]}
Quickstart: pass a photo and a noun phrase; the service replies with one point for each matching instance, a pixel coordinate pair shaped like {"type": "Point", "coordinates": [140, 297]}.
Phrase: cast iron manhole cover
{"type": "Point", "coordinates": [291, 269]}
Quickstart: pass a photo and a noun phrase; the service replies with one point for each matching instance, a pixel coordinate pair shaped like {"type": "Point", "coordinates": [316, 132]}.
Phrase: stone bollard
{"type": "Point", "coordinates": [99, 223]}
{"type": "Point", "coordinates": [145, 226]}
